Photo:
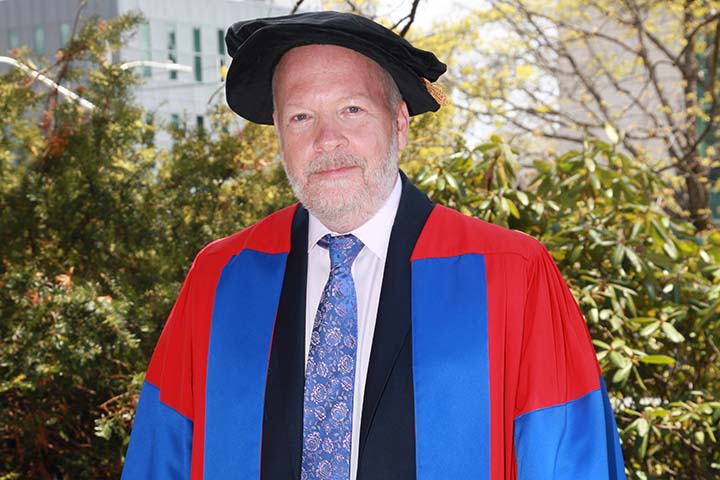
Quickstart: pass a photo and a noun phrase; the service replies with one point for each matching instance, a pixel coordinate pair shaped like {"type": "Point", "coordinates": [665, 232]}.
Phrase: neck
{"type": "Point", "coordinates": [343, 228]}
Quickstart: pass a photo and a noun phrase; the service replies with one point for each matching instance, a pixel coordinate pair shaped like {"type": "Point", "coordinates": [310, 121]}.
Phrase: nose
{"type": "Point", "coordinates": [329, 136]}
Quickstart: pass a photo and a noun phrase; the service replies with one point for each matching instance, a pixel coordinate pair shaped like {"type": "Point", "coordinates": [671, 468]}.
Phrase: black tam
{"type": "Point", "coordinates": [257, 46]}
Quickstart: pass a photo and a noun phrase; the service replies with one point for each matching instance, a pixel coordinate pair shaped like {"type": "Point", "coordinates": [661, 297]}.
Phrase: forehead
{"type": "Point", "coordinates": [326, 54]}
{"type": "Point", "coordinates": [311, 65]}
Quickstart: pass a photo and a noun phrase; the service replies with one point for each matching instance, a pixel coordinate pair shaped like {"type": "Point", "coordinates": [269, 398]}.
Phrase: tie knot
{"type": "Point", "coordinates": [343, 249]}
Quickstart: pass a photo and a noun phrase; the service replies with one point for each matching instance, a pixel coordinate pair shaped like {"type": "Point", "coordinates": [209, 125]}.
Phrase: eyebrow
{"type": "Point", "coordinates": [347, 98]}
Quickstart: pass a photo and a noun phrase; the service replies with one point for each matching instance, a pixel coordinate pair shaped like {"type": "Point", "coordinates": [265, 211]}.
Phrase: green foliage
{"type": "Point", "coordinates": [98, 228]}
{"type": "Point", "coordinates": [74, 267]}
{"type": "Point", "coordinates": [648, 285]}
{"type": "Point", "coordinates": [562, 70]}
{"type": "Point", "coordinates": [65, 347]}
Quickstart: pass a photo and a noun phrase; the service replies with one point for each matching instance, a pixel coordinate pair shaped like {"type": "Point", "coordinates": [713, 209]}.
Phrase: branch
{"type": "Point", "coordinates": [296, 7]}
{"type": "Point", "coordinates": [579, 73]}
{"type": "Point", "coordinates": [352, 6]}
{"type": "Point", "coordinates": [711, 124]}
{"type": "Point", "coordinates": [410, 17]}
{"type": "Point", "coordinates": [657, 87]}
{"type": "Point", "coordinates": [634, 99]}
{"type": "Point", "coordinates": [547, 134]}
{"type": "Point", "coordinates": [675, 59]}
{"type": "Point", "coordinates": [637, 22]}
{"type": "Point", "coordinates": [585, 33]}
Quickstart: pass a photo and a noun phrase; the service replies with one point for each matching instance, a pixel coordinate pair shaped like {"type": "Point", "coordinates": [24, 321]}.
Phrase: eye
{"type": "Point", "coordinates": [353, 109]}
{"type": "Point", "coordinates": [299, 117]}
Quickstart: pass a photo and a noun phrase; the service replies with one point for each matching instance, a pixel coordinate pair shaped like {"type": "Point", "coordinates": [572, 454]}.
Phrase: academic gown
{"type": "Point", "coordinates": [481, 365]}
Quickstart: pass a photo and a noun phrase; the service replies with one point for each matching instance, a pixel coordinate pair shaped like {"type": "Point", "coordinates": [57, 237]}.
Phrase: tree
{"type": "Point", "coordinates": [74, 263]}
{"type": "Point", "coordinates": [644, 74]}
{"type": "Point", "coordinates": [649, 287]}
{"type": "Point", "coordinates": [98, 228]}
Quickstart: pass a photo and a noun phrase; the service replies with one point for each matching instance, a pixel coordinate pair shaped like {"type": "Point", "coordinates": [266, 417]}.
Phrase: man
{"type": "Point", "coordinates": [365, 333]}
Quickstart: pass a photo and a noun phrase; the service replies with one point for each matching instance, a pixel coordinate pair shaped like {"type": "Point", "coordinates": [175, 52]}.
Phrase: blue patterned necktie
{"type": "Point", "coordinates": [330, 370]}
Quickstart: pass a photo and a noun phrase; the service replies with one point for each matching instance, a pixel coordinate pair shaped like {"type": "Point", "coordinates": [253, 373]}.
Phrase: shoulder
{"type": "Point", "coordinates": [449, 233]}
{"type": "Point", "coordinates": [270, 235]}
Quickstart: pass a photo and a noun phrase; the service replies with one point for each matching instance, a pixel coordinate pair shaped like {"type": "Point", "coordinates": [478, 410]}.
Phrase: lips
{"type": "Point", "coordinates": [336, 171]}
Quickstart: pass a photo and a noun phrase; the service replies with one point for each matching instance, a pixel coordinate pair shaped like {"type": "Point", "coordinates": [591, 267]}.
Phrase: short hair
{"type": "Point", "coordinates": [389, 87]}
{"type": "Point", "coordinates": [392, 92]}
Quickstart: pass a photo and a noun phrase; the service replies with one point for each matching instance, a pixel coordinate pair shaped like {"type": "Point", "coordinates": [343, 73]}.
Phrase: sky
{"type": "Point", "coordinates": [428, 10]}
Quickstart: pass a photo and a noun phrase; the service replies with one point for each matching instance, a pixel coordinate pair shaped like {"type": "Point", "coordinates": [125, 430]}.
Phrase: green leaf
{"type": "Point", "coordinates": [642, 319]}
{"type": "Point", "coordinates": [671, 333]}
{"type": "Point", "coordinates": [709, 430]}
{"type": "Point", "coordinates": [658, 360]}
{"type": "Point", "coordinates": [660, 260]}
{"type": "Point", "coordinates": [618, 360]}
{"type": "Point", "coordinates": [618, 255]}
{"type": "Point", "coordinates": [441, 183]}
{"type": "Point", "coordinates": [601, 344]}
{"type": "Point", "coordinates": [522, 198]}
{"type": "Point", "coordinates": [649, 329]}
{"type": "Point", "coordinates": [507, 152]}
{"type": "Point", "coordinates": [590, 164]}
{"type": "Point", "coordinates": [451, 181]}
{"type": "Point", "coordinates": [622, 374]}
{"type": "Point", "coordinates": [576, 251]}
{"type": "Point", "coordinates": [428, 180]}
{"type": "Point", "coordinates": [642, 450]}
{"type": "Point", "coordinates": [513, 209]}
{"type": "Point", "coordinates": [634, 259]}
{"type": "Point", "coordinates": [670, 249]}
{"type": "Point", "coordinates": [642, 427]}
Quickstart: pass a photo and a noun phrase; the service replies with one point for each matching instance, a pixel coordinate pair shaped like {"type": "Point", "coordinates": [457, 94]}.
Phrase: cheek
{"type": "Point", "coordinates": [294, 156]}
{"type": "Point", "coordinates": [298, 142]}
{"type": "Point", "coordinates": [372, 147]}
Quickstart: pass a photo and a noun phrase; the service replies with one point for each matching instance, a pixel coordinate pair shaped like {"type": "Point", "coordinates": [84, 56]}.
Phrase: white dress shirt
{"type": "Point", "coordinates": [367, 272]}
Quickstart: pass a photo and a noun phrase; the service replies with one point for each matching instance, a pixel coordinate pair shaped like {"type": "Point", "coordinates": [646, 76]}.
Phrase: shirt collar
{"type": "Point", "coordinates": [374, 234]}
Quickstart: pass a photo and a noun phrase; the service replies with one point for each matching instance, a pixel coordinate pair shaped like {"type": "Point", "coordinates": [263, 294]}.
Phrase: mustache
{"type": "Point", "coordinates": [329, 161]}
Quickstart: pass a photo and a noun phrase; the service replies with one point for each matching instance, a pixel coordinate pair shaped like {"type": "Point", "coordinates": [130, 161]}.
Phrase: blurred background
{"type": "Point", "coordinates": [590, 125]}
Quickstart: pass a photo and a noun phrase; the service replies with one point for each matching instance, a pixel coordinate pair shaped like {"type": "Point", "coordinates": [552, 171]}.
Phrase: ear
{"type": "Point", "coordinates": [276, 128]}
{"type": "Point", "coordinates": [402, 122]}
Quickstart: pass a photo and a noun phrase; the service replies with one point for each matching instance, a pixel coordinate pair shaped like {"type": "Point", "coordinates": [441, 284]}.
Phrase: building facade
{"type": "Point", "coordinates": [188, 32]}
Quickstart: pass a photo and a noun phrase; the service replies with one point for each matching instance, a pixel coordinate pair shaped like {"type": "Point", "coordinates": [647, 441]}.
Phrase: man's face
{"type": "Point", "coordinates": [339, 135]}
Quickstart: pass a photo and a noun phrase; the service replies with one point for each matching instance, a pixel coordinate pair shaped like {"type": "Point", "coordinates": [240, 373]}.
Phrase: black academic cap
{"type": "Point", "coordinates": [257, 45]}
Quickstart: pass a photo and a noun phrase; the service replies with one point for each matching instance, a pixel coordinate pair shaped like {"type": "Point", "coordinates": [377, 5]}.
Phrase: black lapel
{"type": "Point", "coordinates": [393, 319]}
{"type": "Point", "coordinates": [283, 422]}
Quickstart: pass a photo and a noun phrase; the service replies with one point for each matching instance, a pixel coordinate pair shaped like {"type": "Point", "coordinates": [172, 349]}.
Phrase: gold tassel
{"type": "Point", "coordinates": [437, 92]}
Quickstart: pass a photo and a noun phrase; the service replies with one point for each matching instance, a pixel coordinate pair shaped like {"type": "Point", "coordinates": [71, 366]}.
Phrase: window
{"type": "Point", "coordinates": [200, 122]}
{"type": "Point", "coordinates": [222, 69]}
{"type": "Point", "coordinates": [148, 134]}
{"type": "Point", "coordinates": [175, 120]}
{"type": "Point", "coordinates": [145, 47]}
{"type": "Point", "coordinates": [197, 64]}
{"type": "Point", "coordinates": [39, 40]}
{"type": "Point", "coordinates": [221, 41]}
{"type": "Point", "coordinates": [13, 39]}
{"type": "Point", "coordinates": [64, 34]}
{"type": "Point", "coordinates": [172, 50]}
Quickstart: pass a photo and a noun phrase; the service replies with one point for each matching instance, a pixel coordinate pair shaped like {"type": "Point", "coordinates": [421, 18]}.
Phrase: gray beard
{"type": "Point", "coordinates": [358, 203]}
